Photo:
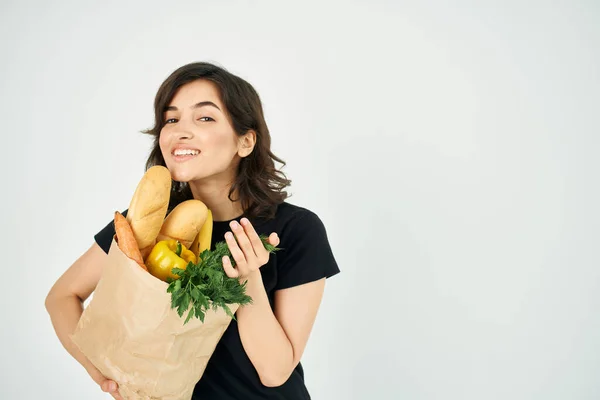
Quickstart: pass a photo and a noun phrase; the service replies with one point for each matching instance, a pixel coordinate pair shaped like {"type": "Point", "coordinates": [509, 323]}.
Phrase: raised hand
{"type": "Point", "coordinates": [247, 249]}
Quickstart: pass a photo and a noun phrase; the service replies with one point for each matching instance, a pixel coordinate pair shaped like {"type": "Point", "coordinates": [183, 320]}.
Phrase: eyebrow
{"type": "Point", "coordinates": [197, 105]}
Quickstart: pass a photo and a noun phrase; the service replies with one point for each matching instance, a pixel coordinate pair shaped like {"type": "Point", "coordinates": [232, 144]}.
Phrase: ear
{"type": "Point", "coordinates": [246, 143]}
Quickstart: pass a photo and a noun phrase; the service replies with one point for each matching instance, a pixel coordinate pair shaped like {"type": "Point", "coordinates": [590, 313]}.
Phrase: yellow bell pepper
{"type": "Point", "coordinates": [166, 255]}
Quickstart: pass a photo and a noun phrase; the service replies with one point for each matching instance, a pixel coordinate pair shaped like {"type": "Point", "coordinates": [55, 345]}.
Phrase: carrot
{"type": "Point", "coordinates": [126, 240]}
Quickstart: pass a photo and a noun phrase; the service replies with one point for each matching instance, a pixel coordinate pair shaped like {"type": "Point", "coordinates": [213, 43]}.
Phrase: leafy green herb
{"type": "Point", "coordinates": [205, 285]}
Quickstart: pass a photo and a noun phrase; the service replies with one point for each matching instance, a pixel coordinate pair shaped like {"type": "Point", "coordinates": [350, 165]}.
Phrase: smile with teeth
{"type": "Point", "coordinates": [185, 152]}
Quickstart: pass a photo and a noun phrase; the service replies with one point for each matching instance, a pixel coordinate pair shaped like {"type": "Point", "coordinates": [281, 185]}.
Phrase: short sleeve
{"type": "Point", "coordinates": [305, 254]}
{"type": "Point", "coordinates": [105, 236]}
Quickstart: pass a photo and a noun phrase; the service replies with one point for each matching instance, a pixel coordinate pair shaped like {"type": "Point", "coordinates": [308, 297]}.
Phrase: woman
{"type": "Point", "coordinates": [211, 134]}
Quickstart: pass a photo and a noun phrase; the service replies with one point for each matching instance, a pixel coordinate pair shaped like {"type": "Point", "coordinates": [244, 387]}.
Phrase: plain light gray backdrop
{"type": "Point", "coordinates": [450, 148]}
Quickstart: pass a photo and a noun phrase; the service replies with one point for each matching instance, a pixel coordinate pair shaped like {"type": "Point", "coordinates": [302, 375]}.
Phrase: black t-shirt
{"type": "Point", "coordinates": [305, 256]}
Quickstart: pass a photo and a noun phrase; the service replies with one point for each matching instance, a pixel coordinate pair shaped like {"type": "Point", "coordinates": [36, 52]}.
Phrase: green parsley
{"type": "Point", "coordinates": [205, 285]}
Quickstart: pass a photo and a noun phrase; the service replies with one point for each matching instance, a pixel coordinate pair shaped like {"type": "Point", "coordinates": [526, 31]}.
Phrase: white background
{"type": "Point", "coordinates": [450, 148]}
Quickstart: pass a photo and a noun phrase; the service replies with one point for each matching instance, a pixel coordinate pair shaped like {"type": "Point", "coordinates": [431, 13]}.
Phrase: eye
{"type": "Point", "coordinates": [205, 118]}
{"type": "Point", "coordinates": [170, 119]}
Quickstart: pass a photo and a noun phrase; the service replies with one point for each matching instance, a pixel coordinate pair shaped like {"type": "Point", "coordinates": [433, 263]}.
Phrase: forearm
{"type": "Point", "coordinates": [263, 338]}
{"type": "Point", "coordinates": [65, 312]}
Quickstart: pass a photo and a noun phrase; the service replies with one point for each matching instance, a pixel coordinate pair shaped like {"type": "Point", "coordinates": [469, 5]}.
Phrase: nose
{"type": "Point", "coordinates": [184, 134]}
{"type": "Point", "coordinates": [185, 129]}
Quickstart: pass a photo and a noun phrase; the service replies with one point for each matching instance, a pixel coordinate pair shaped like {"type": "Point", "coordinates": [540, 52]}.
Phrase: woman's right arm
{"type": "Point", "coordinates": [64, 304]}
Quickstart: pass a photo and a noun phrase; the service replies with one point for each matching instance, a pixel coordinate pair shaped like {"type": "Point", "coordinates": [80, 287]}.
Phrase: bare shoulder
{"type": "Point", "coordinates": [81, 277]}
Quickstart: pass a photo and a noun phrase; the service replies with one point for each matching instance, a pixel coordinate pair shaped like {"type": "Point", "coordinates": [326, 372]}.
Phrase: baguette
{"type": "Point", "coordinates": [184, 222]}
{"type": "Point", "coordinates": [148, 207]}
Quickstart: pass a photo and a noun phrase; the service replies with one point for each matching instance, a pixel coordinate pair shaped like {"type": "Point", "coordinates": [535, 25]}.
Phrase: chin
{"type": "Point", "coordinates": [176, 172]}
{"type": "Point", "coordinates": [183, 176]}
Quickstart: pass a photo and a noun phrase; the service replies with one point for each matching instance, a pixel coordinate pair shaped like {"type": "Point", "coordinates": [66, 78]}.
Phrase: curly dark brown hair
{"type": "Point", "coordinates": [259, 184]}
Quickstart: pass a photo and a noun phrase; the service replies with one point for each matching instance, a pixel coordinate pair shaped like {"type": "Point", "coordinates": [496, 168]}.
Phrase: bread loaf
{"type": "Point", "coordinates": [148, 207]}
{"type": "Point", "coordinates": [184, 222]}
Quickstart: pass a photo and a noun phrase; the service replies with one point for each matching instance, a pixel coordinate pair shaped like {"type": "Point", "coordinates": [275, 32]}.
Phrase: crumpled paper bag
{"type": "Point", "coordinates": [131, 334]}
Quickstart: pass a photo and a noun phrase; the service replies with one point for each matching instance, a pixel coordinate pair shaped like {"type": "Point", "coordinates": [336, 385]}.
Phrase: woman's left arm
{"type": "Point", "coordinates": [273, 341]}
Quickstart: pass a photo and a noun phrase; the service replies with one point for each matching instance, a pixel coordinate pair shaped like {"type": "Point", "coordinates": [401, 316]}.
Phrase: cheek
{"type": "Point", "coordinates": [222, 143]}
{"type": "Point", "coordinates": [162, 142]}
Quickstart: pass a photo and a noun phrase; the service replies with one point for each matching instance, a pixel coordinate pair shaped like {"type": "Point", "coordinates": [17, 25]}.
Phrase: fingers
{"type": "Point", "coordinates": [274, 239]}
{"type": "Point", "coordinates": [108, 386]}
{"type": "Point", "coordinates": [229, 270]}
{"type": "Point", "coordinates": [253, 237]}
{"type": "Point", "coordinates": [247, 249]}
{"type": "Point", "coordinates": [111, 387]}
{"type": "Point", "coordinates": [236, 252]}
{"type": "Point", "coordinates": [243, 240]}
{"type": "Point", "coordinates": [257, 245]}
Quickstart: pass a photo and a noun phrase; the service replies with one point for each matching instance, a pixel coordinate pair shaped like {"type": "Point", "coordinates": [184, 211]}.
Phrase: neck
{"type": "Point", "coordinates": [215, 195]}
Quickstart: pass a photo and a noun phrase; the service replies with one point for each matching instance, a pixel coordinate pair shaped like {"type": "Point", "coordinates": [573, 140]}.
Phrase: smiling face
{"type": "Point", "coordinates": [197, 141]}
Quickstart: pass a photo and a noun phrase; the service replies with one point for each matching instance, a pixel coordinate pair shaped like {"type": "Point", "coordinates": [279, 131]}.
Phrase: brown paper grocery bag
{"type": "Point", "coordinates": [131, 334]}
